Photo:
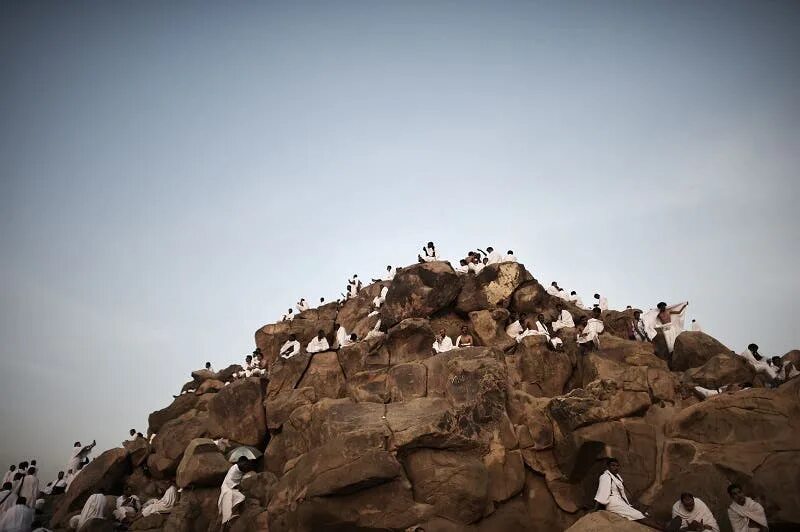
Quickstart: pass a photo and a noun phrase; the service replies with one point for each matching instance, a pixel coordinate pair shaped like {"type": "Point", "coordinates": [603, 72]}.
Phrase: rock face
{"type": "Point", "coordinates": [385, 434]}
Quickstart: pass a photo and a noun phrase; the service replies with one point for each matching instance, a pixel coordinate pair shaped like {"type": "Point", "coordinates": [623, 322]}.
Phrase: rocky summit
{"type": "Point", "coordinates": [385, 434]}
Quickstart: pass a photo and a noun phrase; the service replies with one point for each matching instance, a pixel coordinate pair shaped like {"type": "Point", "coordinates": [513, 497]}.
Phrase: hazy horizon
{"type": "Point", "coordinates": [174, 176]}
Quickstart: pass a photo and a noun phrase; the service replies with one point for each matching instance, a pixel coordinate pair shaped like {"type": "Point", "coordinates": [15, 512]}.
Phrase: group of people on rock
{"type": "Point", "coordinates": [689, 513]}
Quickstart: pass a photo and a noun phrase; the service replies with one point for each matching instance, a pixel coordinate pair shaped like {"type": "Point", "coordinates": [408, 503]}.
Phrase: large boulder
{"type": "Point", "coordinates": [280, 407]}
{"type": "Point", "coordinates": [456, 484]}
{"type": "Point", "coordinates": [325, 376]}
{"type": "Point", "coordinates": [305, 326]}
{"type": "Point", "coordinates": [693, 349]}
{"type": "Point", "coordinates": [104, 474]}
{"type": "Point", "coordinates": [237, 412]}
{"type": "Point", "coordinates": [138, 450]}
{"type": "Point", "coordinates": [603, 521]}
{"type": "Point", "coordinates": [202, 465]}
{"type": "Point", "coordinates": [532, 299]}
{"type": "Point", "coordinates": [601, 400]}
{"type": "Point", "coordinates": [406, 382]}
{"type": "Point", "coordinates": [181, 405]}
{"type": "Point", "coordinates": [489, 327]}
{"type": "Point", "coordinates": [544, 372]}
{"type": "Point", "coordinates": [492, 287]}
{"type": "Point", "coordinates": [172, 440]}
{"type": "Point", "coordinates": [420, 291]}
{"type": "Point", "coordinates": [721, 370]}
{"type": "Point", "coordinates": [196, 511]}
{"type": "Point", "coordinates": [409, 341]}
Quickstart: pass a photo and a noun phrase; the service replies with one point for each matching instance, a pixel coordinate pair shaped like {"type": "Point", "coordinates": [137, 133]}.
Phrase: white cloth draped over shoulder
{"type": "Point", "coordinates": [29, 489]}
{"type": "Point", "coordinates": [740, 515]}
{"type": "Point", "coordinates": [542, 329]}
{"type": "Point", "coordinates": [699, 513]}
{"type": "Point", "coordinates": [18, 518]}
{"type": "Point", "coordinates": [162, 505]}
{"type": "Point", "coordinates": [670, 330]}
{"type": "Point", "coordinates": [93, 509]}
{"type": "Point", "coordinates": [611, 493]}
{"type": "Point", "coordinates": [378, 300]}
{"type": "Point", "coordinates": [495, 257]}
{"type": "Point", "coordinates": [444, 345]}
{"type": "Point", "coordinates": [78, 454]}
{"type": "Point", "coordinates": [341, 337]}
{"type": "Point", "coordinates": [7, 499]}
{"type": "Point", "coordinates": [430, 254]}
{"type": "Point", "coordinates": [229, 495]}
{"type": "Point", "coordinates": [317, 346]}
{"type": "Point", "coordinates": [564, 321]}
{"type": "Point", "coordinates": [126, 507]}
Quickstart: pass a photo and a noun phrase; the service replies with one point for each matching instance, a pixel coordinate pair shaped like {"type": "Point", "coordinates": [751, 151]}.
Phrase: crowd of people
{"type": "Point", "coordinates": [21, 493]}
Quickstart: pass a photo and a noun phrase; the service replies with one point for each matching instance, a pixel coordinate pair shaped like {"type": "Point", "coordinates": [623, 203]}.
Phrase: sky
{"type": "Point", "coordinates": [175, 175]}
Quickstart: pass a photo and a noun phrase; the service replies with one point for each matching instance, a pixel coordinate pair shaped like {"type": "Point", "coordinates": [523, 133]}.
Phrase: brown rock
{"type": "Point", "coordinates": [172, 440]}
{"type": "Point", "coordinates": [356, 357]}
{"type": "Point", "coordinates": [138, 450]}
{"type": "Point", "coordinates": [104, 474]}
{"type": "Point", "coordinates": [449, 321]}
{"type": "Point", "coordinates": [202, 465]}
{"type": "Point", "coordinates": [354, 313]}
{"type": "Point", "coordinates": [285, 374]}
{"type": "Point", "coordinates": [721, 370]}
{"type": "Point", "coordinates": [506, 473]}
{"type": "Point", "coordinates": [616, 322]}
{"type": "Point", "coordinates": [209, 386]}
{"type": "Point", "coordinates": [492, 287]}
{"type": "Point", "coordinates": [603, 521]}
{"type": "Point", "coordinates": [532, 299]}
{"type": "Point", "coordinates": [281, 406]}
{"type": "Point", "coordinates": [694, 349]}
{"type": "Point", "coordinates": [456, 484]}
{"type": "Point", "coordinates": [237, 412]}
{"type": "Point", "coordinates": [406, 382]}
{"type": "Point", "coordinates": [409, 341]}
{"type": "Point", "coordinates": [305, 326]}
{"type": "Point", "coordinates": [369, 386]}
{"type": "Point", "coordinates": [420, 291]}
{"type": "Point", "coordinates": [602, 400]}
{"type": "Point", "coordinates": [489, 328]}
{"type": "Point", "coordinates": [181, 405]}
{"type": "Point", "coordinates": [544, 513]}
{"type": "Point", "coordinates": [530, 412]}
{"type": "Point", "coordinates": [325, 376]}
{"type": "Point", "coordinates": [97, 525]}
{"type": "Point", "coordinates": [544, 372]}
{"type": "Point", "coordinates": [196, 511]}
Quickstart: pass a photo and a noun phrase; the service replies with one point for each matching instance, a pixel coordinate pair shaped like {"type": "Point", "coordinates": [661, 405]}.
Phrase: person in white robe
{"type": "Point", "coordinates": [611, 493]}
{"type": "Point", "coordinates": [341, 336]}
{"type": "Point", "coordinates": [9, 476]}
{"type": "Point", "coordinates": [318, 344]}
{"type": "Point", "coordinates": [8, 497]}
{"type": "Point", "coordinates": [592, 331]}
{"type": "Point", "coordinates": [290, 348]}
{"type": "Point", "coordinates": [378, 300]}
{"type": "Point", "coordinates": [576, 300]}
{"type": "Point", "coordinates": [18, 518]}
{"type": "Point", "coordinates": [230, 496]}
{"type": "Point", "coordinates": [696, 326]}
{"type": "Point", "coordinates": [510, 257]}
{"type": "Point", "coordinates": [638, 331]}
{"type": "Point", "coordinates": [29, 488]}
{"type": "Point", "coordinates": [79, 455]}
{"type": "Point", "coordinates": [564, 320]}
{"type": "Point", "coordinates": [494, 256]}
{"type": "Point", "coordinates": [541, 327]}
{"type": "Point", "coordinates": [693, 514]}
{"type": "Point", "coordinates": [349, 340]}
{"type": "Point", "coordinates": [390, 273]}
{"type": "Point", "coordinates": [375, 332]}
{"type": "Point", "coordinates": [442, 343]}
{"type": "Point", "coordinates": [429, 253]}
{"type": "Point", "coordinates": [745, 514]}
{"type": "Point", "coordinates": [289, 316]}
{"type": "Point", "coordinates": [474, 263]}
{"type": "Point", "coordinates": [163, 505]}
{"type": "Point", "coordinates": [94, 508]}
{"type": "Point", "coordinates": [787, 370]}
{"type": "Point", "coordinates": [462, 267]}
{"type": "Point", "coordinates": [59, 484]}
{"type": "Point", "coordinates": [127, 506]}
{"type": "Point", "coordinates": [515, 328]}
{"type": "Point", "coordinates": [757, 360]}
{"type": "Point", "coordinates": [301, 305]}
{"type": "Point", "coordinates": [602, 302]}
{"type": "Point", "coordinates": [668, 318]}
{"type": "Point", "coordinates": [552, 289]}
{"type": "Point", "coordinates": [247, 368]}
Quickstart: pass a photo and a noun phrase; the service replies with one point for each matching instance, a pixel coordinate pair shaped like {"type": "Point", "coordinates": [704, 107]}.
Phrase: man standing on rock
{"type": "Point", "coordinates": [230, 497]}
{"type": "Point", "coordinates": [637, 330]}
{"type": "Point", "coordinates": [745, 514]}
{"type": "Point", "coordinates": [80, 455]}
{"type": "Point", "coordinates": [602, 302]}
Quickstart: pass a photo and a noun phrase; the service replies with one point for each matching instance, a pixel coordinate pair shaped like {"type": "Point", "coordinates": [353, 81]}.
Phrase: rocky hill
{"type": "Point", "coordinates": [386, 435]}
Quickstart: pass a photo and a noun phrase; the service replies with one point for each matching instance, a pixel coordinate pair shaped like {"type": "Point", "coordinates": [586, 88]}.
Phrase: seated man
{"type": "Point", "coordinates": [340, 337]}
{"type": "Point", "coordinates": [390, 273]}
{"type": "Point", "coordinates": [318, 344]}
{"type": "Point", "coordinates": [510, 257]}
{"type": "Point", "coordinates": [442, 343]}
{"type": "Point", "coordinates": [690, 514]}
{"type": "Point", "coordinates": [247, 369]}
{"type": "Point", "coordinates": [602, 302]}
{"type": "Point", "coordinates": [127, 506]}
{"type": "Point", "coordinates": [755, 359]}
{"type": "Point", "coordinates": [462, 267]}
{"type": "Point", "coordinates": [475, 265]}
{"type": "Point", "coordinates": [696, 326]}
{"type": "Point", "coordinates": [163, 505]}
{"type": "Point", "coordinates": [350, 340]}
{"type": "Point", "coordinates": [290, 348]}
{"type": "Point", "coordinates": [18, 518]}
{"type": "Point", "coordinates": [428, 253]}
{"type": "Point", "coordinates": [553, 289]}
{"type": "Point", "coordinates": [301, 305]}
{"type": "Point", "coordinates": [575, 299]}
{"type": "Point", "coordinates": [745, 514]}
{"type": "Point", "coordinates": [589, 338]}
{"type": "Point", "coordinates": [494, 256]}
{"type": "Point", "coordinates": [464, 339]}
{"type": "Point", "coordinates": [289, 316]}
{"type": "Point", "coordinates": [611, 494]}
{"type": "Point", "coordinates": [564, 319]}
{"type": "Point", "coordinates": [59, 485]}
{"type": "Point", "coordinates": [541, 327]}
{"type": "Point", "coordinates": [515, 328]}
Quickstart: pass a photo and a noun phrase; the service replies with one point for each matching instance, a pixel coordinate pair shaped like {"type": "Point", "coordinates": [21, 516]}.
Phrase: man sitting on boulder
{"type": "Point", "coordinates": [379, 299]}
{"type": "Point", "coordinates": [247, 369]}
{"type": "Point", "coordinates": [163, 505]}
{"type": "Point", "coordinates": [443, 343]}
{"type": "Point", "coordinates": [745, 514]}
{"type": "Point", "coordinates": [290, 348]}
{"type": "Point", "coordinates": [515, 328]}
{"type": "Point", "coordinates": [691, 514]}
{"type": "Point", "coordinates": [80, 456]}
{"type": "Point", "coordinates": [428, 253]}
{"type": "Point", "coordinates": [756, 360]}
{"type": "Point", "coordinates": [301, 305]}
{"type": "Point", "coordinates": [611, 495]}
{"type": "Point", "coordinates": [465, 338]}
{"type": "Point", "coordinates": [705, 393]}
{"type": "Point", "coordinates": [564, 318]}
{"type": "Point", "coordinates": [318, 344]}
{"type": "Point", "coordinates": [589, 338]}
{"type": "Point", "coordinates": [18, 518]}
{"type": "Point", "coordinates": [785, 370]}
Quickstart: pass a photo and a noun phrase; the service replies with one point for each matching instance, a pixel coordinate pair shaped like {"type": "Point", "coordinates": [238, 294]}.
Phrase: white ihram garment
{"type": "Point", "coordinates": [591, 332]}
{"type": "Point", "coordinates": [670, 330]}
{"type": "Point", "coordinates": [341, 336]}
{"type": "Point", "coordinates": [740, 515]}
{"type": "Point", "coordinates": [611, 493]}
{"type": "Point", "coordinates": [93, 509]}
{"type": "Point", "coordinates": [514, 329]}
{"type": "Point", "coordinates": [317, 346]}
{"type": "Point", "coordinates": [230, 495]}
{"type": "Point", "coordinates": [162, 505]}
{"type": "Point", "coordinates": [378, 301]}
{"type": "Point", "coordinates": [29, 489]}
{"type": "Point", "coordinates": [443, 346]}
{"type": "Point", "coordinates": [699, 513]}
{"type": "Point", "coordinates": [563, 321]}
{"type": "Point", "coordinates": [495, 257]}
{"type": "Point", "coordinates": [18, 518]}
{"type": "Point", "coordinates": [290, 349]}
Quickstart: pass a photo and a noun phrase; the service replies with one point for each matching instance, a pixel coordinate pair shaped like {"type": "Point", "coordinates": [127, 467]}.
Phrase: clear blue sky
{"type": "Point", "coordinates": [173, 176]}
